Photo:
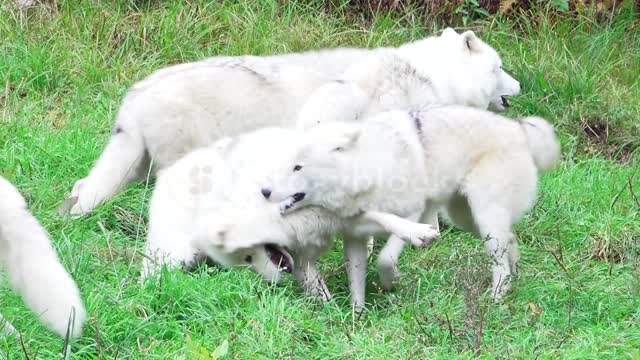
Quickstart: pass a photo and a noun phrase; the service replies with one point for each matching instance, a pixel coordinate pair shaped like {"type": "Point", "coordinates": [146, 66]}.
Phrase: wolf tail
{"type": "Point", "coordinates": [34, 268]}
{"type": "Point", "coordinates": [543, 142]}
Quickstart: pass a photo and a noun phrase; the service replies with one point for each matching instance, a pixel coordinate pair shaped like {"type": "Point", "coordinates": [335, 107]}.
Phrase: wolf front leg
{"type": "Point", "coordinates": [305, 270]}
{"type": "Point", "coordinates": [355, 253]}
{"type": "Point", "coordinates": [307, 274]}
{"type": "Point", "coordinates": [410, 231]}
{"type": "Point", "coordinates": [388, 260]}
{"type": "Point", "coordinates": [389, 257]}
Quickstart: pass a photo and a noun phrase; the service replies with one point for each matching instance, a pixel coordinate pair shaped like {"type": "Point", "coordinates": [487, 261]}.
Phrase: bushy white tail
{"type": "Point", "coordinates": [543, 142]}
{"type": "Point", "coordinates": [34, 268]}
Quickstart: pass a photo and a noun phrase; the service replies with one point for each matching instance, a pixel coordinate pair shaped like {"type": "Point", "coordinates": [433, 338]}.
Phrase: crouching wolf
{"type": "Point", "coordinates": [34, 268]}
{"type": "Point", "coordinates": [187, 106]}
{"type": "Point", "coordinates": [206, 206]}
{"type": "Point", "coordinates": [478, 168]}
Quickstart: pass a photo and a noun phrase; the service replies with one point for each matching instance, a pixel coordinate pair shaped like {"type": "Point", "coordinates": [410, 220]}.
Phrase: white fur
{"type": "Point", "coordinates": [457, 69]}
{"type": "Point", "coordinates": [478, 167]}
{"type": "Point", "coordinates": [182, 107]}
{"type": "Point", "coordinates": [209, 204]}
{"type": "Point", "coordinates": [33, 266]}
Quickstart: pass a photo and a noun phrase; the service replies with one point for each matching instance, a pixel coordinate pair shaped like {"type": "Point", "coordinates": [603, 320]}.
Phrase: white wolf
{"type": "Point", "coordinates": [183, 107]}
{"type": "Point", "coordinates": [479, 168]}
{"type": "Point", "coordinates": [34, 268]}
{"type": "Point", "coordinates": [208, 204]}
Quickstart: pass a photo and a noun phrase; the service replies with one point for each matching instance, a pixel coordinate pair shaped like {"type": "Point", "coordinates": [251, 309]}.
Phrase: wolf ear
{"type": "Point", "coordinates": [347, 140]}
{"type": "Point", "coordinates": [448, 32]}
{"type": "Point", "coordinates": [470, 40]}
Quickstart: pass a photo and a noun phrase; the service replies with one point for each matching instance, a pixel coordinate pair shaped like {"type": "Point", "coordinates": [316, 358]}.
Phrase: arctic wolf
{"type": "Point", "coordinates": [477, 167]}
{"type": "Point", "coordinates": [207, 205]}
{"type": "Point", "coordinates": [183, 107]}
{"type": "Point", "coordinates": [34, 268]}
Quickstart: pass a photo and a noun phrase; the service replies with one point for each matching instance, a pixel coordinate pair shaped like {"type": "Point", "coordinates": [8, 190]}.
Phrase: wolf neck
{"type": "Point", "coordinates": [344, 205]}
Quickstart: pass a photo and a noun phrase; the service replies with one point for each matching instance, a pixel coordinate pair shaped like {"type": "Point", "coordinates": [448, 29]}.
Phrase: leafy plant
{"type": "Point", "coordinates": [470, 10]}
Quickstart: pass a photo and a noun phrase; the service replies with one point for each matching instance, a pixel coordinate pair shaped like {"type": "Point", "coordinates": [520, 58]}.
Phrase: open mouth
{"type": "Point", "coordinates": [280, 257]}
{"type": "Point", "coordinates": [290, 201]}
{"type": "Point", "coordinates": [505, 101]}
{"type": "Point", "coordinates": [297, 197]}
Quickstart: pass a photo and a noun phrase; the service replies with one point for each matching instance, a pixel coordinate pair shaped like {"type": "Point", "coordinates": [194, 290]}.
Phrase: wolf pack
{"type": "Point", "coordinates": [261, 161]}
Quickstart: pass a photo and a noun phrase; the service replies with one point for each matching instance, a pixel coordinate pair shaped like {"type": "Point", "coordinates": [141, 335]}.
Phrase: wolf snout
{"type": "Point", "coordinates": [266, 192]}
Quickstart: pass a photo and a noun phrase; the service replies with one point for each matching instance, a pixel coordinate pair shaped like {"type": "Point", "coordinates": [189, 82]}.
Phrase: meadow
{"type": "Point", "coordinates": [64, 68]}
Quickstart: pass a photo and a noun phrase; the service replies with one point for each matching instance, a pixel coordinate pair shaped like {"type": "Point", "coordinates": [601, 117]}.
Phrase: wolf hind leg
{"type": "Point", "coordinates": [123, 160]}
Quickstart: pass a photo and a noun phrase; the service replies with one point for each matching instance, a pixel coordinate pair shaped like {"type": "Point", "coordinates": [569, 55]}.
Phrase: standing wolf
{"type": "Point", "coordinates": [182, 107]}
{"type": "Point", "coordinates": [479, 168]}
{"type": "Point", "coordinates": [207, 204]}
{"type": "Point", "coordinates": [34, 268]}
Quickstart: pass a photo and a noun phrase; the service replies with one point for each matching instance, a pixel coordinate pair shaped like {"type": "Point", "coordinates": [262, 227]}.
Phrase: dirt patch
{"type": "Point", "coordinates": [472, 277]}
{"type": "Point", "coordinates": [608, 250]}
{"type": "Point", "coordinates": [600, 138]}
{"type": "Point", "coordinates": [129, 223]}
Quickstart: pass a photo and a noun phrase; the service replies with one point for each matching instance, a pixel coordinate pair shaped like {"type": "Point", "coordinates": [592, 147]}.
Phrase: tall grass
{"type": "Point", "coordinates": [64, 69]}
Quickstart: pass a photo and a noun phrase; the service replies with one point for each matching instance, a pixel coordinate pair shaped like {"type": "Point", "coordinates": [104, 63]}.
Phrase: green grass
{"type": "Point", "coordinates": [64, 71]}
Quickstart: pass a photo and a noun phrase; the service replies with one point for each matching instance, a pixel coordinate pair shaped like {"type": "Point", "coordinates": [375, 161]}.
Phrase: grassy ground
{"type": "Point", "coordinates": [64, 71]}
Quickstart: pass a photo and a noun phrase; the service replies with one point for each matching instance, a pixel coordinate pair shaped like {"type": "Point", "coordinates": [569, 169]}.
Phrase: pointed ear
{"type": "Point", "coordinates": [470, 40]}
{"type": "Point", "coordinates": [347, 139]}
{"type": "Point", "coordinates": [448, 32]}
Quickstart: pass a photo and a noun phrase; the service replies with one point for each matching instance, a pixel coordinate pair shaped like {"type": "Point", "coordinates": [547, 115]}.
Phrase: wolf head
{"type": "Point", "coordinates": [322, 171]}
{"type": "Point", "coordinates": [243, 229]}
{"type": "Point", "coordinates": [250, 238]}
{"type": "Point", "coordinates": [464, 69]}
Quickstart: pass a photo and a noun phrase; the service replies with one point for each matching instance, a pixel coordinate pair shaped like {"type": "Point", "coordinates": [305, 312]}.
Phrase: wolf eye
{"type": "Point", "coordinates": [297, 168]}
{"type": "Point", "coordinates": [248, 259]}
{"type": "Point", "coordinates": [338, 149]}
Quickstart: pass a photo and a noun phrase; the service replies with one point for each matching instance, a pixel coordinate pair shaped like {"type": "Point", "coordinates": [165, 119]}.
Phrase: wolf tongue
{"type": "Point", "coordinates": [279, 259]}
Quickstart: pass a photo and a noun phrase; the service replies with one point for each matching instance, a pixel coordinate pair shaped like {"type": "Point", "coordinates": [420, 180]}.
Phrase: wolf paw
{"type": "Point", "coordinates": [389, 275]}
{"type": "Point", "coordinates": [501, 287]}
{"type": "Point", "coordinates": [68, 204]}
{"type": "Point", "coordinates": [419, 234]}
{"type": "Point", "coordinates": [322, 293]}
{"type": "Point", "coordinates": [76, 204]}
